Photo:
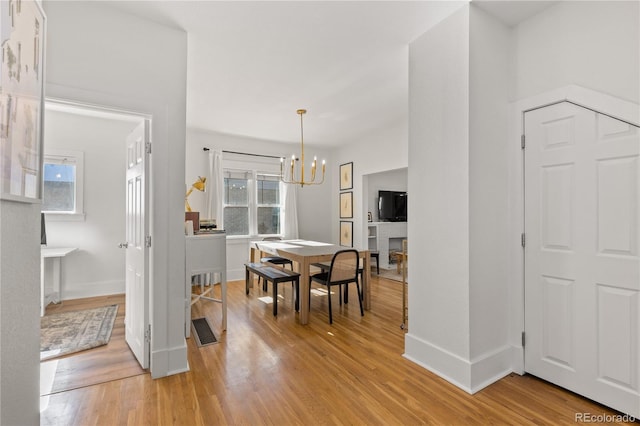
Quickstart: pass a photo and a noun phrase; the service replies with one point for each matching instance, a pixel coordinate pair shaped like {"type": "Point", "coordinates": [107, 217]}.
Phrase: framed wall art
{"type": "Point", "coordinates": [346, 205]}
{"type": "Point", "coordinates": [21, 101]}
{"type": "Point", "coordinates": [346, 233]}
{"type": "Point", "coordinates": [346, 176]}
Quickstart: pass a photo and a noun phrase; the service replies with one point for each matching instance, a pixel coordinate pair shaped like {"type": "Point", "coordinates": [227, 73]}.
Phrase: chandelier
{"type": "Point", "coordinates": [292, 177]}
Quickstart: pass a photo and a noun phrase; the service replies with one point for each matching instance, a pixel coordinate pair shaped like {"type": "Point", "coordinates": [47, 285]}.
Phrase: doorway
{"type": "Point", "coordinates": [95, 274]}
{"type": "Point", "coordinates": [582, 267]}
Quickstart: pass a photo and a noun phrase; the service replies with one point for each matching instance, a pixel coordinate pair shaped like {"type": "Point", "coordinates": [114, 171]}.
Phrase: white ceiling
{"type": "Point", "coordinates": [251, 65]}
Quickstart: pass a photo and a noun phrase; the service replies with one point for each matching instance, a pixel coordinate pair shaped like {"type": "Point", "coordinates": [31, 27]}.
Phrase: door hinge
{"type": "Point", "coordinates": [147, 334]}
{"type": "Point", "coordinates": [147, 147]}
{"type": "Point", "coordinates": [522, 143]}
{"type": "Point", "coordinates": [147, 241]}
{"type": "Point", "coordinates": [523, 240]}
{"type": "Point", "coordinates": [523, 339]}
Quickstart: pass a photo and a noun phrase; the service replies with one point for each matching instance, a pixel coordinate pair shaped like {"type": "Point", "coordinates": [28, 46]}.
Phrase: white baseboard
{"type": "Point", "coordinates": [235, 274]}
{"type": "Point", "coordinates": [517, 359]}
{"type": "Point", "coordinates": [445, 364]}
{"type": "Point", "coordinates": [469, 375]}
{"type": "Point", "coordinates": [490, 367]}
{"type": "Point", "coordinates": [170, 361]}
{"type": "Point", "coordinates": [94, 289]}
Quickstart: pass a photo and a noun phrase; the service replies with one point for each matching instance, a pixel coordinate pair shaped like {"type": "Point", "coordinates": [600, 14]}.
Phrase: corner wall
{"type": "Point", "coordinates": [438, 179]}
{"type": "Point", "coordinates": [489, 77]}
{"type": "Point", "coordinates": [99, 56]}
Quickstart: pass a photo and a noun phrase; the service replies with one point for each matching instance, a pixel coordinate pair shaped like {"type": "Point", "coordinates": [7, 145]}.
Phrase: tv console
{"type": "Point", "coordinates": [384, 236]}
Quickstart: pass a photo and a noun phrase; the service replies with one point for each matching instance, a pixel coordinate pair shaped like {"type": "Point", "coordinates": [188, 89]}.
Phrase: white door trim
{"type": "Point", "coordinates": [615, 107]}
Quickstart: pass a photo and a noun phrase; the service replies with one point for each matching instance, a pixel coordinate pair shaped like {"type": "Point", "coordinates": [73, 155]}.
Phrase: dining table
{"type": "Point", "coordinates": [305, 253]}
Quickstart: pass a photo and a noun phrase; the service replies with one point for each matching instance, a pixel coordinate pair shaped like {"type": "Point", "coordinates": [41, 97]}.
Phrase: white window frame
{"type": "Point", "coordinates": [257, 205]}
{"type": "Point", "coordinates": [60, 156]}
{"type": "Point", "coordinates": [249, 191]}
{"type": "Point", "coordinates": [252, 188]}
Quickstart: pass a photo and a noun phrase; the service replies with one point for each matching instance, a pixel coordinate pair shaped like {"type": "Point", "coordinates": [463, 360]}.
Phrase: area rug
{"type": "Point", "coordinates": [69, 332]}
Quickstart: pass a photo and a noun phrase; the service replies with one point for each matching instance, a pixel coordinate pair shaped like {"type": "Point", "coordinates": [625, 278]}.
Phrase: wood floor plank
{"type": "Point", "coordinates": [98, 365]}
{"type": "Point", "coordinates": [269, 370]}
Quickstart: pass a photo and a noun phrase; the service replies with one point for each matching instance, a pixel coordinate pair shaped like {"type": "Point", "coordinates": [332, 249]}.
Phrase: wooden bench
{"type": "Point", "coordinates": [275, 274]}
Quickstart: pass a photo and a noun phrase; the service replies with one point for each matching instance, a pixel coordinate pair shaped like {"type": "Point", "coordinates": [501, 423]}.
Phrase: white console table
{"type": "Point", "coordinates": [205, 254]}
{"type": "Point", "coordinates": [379, 235]}
{"type": "Point", "coordinates": [55, 254]}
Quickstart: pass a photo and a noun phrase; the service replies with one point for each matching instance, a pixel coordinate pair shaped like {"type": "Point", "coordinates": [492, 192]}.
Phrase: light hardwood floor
{"type": "Point", "coordinates": [103, 364]}
{"type": "Point", "coordinates": [273, 371]}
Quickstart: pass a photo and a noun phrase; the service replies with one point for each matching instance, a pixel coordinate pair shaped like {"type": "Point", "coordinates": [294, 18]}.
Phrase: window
{"type": "Point", "coordinates": [62, 183]}
{"type": "Point", "coordinates": [252, 203]}
{"type": "Point", "coordinates": [268, 193]}
{"type": "Point", "coordinates": [236, 202]}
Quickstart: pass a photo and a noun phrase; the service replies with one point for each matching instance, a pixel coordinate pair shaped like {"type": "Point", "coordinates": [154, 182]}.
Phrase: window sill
{"type": "Point", "coordinates": [64, 217]}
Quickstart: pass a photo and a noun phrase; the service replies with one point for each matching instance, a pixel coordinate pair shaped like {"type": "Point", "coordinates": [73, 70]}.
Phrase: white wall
{"type": "Point", "coordinates": [97, 55]}
{"type": "Point", "coordinates": [378, 152]}
{"type": "Point", "coordinates": [19, 313]}
{"type": "Point", "coordinates": [594, 44]}
{"type": "Point", "coordinates": [97, 268]}
{"type": "Point", "coordinates": [438, 336]}
{"type": "Point", "coordinates": [489, 79]}
{"type": "Point", "coordinates": [392, 180]}
{"type": "Point", "coordinates": [461, 163]}
{"type": "Point", "coordinates": [314, 207]}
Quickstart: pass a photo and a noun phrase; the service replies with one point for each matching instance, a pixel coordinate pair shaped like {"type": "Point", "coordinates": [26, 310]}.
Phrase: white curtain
{"type": "Point", "coordinates": [290, 210]}
{"type": "Point", "coordinates": [215, 189]}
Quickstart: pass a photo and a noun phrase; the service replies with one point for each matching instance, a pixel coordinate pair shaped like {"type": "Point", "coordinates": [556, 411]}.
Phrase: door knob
{"type": "Point", "coordinates": [123, 245]}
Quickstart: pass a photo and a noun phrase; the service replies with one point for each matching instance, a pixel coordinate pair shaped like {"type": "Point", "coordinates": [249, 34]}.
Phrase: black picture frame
{"type": "Point", "coordinates": [346, 176]}
{"type": "Point", "coordinates": [346, 205]}
{"type": "Point", "coordinates": [346, 233]}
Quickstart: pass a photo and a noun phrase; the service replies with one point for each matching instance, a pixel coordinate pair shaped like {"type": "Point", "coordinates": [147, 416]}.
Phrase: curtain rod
{"type": "Point", "coordinates": [205, 149]}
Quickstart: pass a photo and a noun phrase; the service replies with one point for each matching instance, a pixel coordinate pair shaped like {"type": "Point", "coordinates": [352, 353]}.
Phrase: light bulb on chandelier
{"type": "Point", "coordinates": [314, 164]}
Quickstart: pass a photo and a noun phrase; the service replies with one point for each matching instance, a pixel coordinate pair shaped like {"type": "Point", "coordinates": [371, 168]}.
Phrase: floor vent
{"type": "Point", "coordinates": [202, 332]}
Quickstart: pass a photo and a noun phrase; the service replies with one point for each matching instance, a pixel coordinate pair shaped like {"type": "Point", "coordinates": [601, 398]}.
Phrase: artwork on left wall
{"type": "Point", "coordinates": [346, 176]}
{"type": "Point", "coordinates": [346, 233]}
{"type": "Point", "coordinates": [346, 205]}
{"type": "Point", "coordinates": [21, 100]}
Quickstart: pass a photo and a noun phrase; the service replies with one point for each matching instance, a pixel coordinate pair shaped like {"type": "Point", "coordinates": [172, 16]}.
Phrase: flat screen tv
{"type": "Point", "coordinates": [392, 206]}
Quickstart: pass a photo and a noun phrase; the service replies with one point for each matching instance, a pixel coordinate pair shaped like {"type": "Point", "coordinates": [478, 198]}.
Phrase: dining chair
{"type": "Point", "coordinates": [276, 260]}
{"type": "Point", "coordinates": [343, 271]}
{"type": "Point", "coordinates": [325, 266]}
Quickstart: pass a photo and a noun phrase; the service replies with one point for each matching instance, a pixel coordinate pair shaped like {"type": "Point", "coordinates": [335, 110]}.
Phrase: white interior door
{"type": "Point", "coordinates": [137, 329]}
{"type": "Point", "coordinates": [582, 273]}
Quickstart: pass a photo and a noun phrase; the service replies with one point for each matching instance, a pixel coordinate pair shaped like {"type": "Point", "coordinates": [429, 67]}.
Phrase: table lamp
{"type": "Point", "coordinates": [190, 215]}
{"type": "Point", "coordinates": [199, 185]}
